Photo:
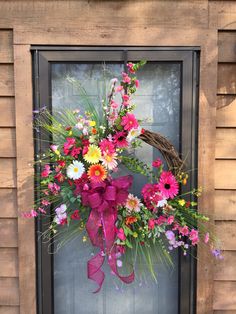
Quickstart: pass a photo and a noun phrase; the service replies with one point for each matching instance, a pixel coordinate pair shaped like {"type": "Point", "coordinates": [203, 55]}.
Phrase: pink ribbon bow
{"type": "Point", "coordinates": [103, 198]}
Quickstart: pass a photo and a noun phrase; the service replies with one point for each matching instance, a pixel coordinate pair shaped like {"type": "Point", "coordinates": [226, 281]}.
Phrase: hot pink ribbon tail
{"type": "Point", "coordinates": [94, 270]}
{"type": "Point", "coordinates": [103, 198]}
{"type": "Point", "coordinates": [112, 263]}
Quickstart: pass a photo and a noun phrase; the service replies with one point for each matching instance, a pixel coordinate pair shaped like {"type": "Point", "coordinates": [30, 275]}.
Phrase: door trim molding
{"type": "Point", "coordinates": [23, 37]}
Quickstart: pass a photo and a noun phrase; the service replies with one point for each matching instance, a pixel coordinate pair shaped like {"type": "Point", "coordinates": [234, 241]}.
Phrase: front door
{"type": "Point", "coordinates": [166, 103]}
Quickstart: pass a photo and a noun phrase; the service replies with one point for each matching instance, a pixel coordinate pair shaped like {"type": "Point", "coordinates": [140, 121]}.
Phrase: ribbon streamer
{"type": "Point", "coordinates": [103, 199]}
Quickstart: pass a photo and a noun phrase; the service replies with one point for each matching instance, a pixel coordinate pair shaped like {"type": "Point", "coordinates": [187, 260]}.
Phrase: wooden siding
{"type": "Point", "coordinates": [117, 22]}
{"type": "Point", "coordinates": [225, 143]}
{"type": "Point", "coordinates": [9, 273]}
{"type": "Point", "coordinates": [225, 204]}
{"type": "Point", "coordinates": [6, 51]}
{"type": "Point", "coordinates": [9, 309]}
{"type": "Point", "coordinates": [6, 80]}
{"type": "Point", "coordinates": [224, 293]}
{"type": "Point", "coordinates": [6, 285]}
{"type": "Point", "coordinates": [225, 114]}
{"type": "Point", "coordinates": [225, 269]}
{"type": "Point", "coordinates": [222, 15]}
{"type": "Point", "coordinates": [225, 170]}
{"type": "Point", "coordinates": [8, 172]}
{"type": "Point", "coordinates": [8, 232]}
{"type": "Point", "coordinates": [227, 46]}
{"type": "Point", "coordinates": [227, 78]}
{"type": "Point", "coordinates": [8, 142]}
{"type": "Point", "coordinates": [7, 109]}
{"type": "Point", "coordinates": [94, 15]}
{"type": "Point", "coordinates": [224, 312]}
{"type": "Point", "coordinates": [8, 262]}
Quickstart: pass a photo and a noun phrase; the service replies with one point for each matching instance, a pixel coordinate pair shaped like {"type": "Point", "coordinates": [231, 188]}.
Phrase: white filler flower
{"type": "Point", "coordinates": [60, 214]}
{"type": "Point", "coordinates": [133, 133]}
{"type": "Point", "coordinates": [75, 170]}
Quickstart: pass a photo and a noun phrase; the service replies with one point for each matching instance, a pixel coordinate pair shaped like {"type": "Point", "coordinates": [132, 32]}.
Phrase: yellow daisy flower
{"type": "Point", "coordinates": [92, 123]}
{"type": "Point", "coordinates": [93, 155]}
{"type": "Point", "coordinates": [181, 202]}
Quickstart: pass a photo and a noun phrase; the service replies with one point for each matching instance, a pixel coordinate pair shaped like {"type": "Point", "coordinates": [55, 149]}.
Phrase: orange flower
{"type": "Point", "coordinates": [94, 131]}
{"type": "Point", "coordinates": [130, 220]}
{"type": "Point", "coordinates": [97, 173]}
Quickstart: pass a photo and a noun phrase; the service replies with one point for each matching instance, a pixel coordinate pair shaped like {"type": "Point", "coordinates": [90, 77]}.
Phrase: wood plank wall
{"type": "Point", "coordinates": [9, 291]}
{"type": "Point", "coordinates": [225, 174]}
{"type": "Point", "coordinates": [47, 16]}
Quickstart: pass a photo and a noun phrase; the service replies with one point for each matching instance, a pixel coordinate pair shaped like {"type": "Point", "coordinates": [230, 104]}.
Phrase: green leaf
{"type": "Point", "coordinates": [137, 166]}
{"type": "Point", "coordinates": [72, 199]}
{"type": "Point", "coordinates": [127, 230]}
{"type": "Point", "coordinates": [128, 244]}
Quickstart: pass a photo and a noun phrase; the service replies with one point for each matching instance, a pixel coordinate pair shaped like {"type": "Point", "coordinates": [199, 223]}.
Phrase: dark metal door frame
{"type": "Point", "coordinates": [189, 59]}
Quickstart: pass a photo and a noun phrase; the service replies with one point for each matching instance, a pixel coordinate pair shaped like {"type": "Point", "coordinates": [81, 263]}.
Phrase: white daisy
{"type": "Point", "coordinates": [133, 133]}
{"type": "Point", "coordinates": [74, 171]}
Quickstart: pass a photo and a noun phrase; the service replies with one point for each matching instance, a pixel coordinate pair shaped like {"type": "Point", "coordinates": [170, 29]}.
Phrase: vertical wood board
{"type": "Point", "coordinates": [206, 155]}
{"type": "Point", "coordinates": [25, 177]}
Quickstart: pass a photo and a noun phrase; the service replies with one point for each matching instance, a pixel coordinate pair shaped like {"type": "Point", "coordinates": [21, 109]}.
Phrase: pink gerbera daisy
{"type": "Point", "coordinates": [133, 203]}
{"type": "Point", "coordinates": [168, 185]}
{"type": "Point", "coordinates": [129, 122]}
{"type": "Point", "coordinates": [120, 139]}
{"type": "Point", "coordinates": [107, 146]}
{"type": "Point", "coordinates": [109, 160]}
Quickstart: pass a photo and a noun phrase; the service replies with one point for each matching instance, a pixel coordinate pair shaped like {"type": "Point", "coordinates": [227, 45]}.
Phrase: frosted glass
{"type": "Point", "coordinates": [158, 102]}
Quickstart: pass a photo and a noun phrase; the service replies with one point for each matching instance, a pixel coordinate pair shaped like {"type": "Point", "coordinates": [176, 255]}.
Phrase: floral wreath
{"type": "Point", "coordinates": [82, 192]}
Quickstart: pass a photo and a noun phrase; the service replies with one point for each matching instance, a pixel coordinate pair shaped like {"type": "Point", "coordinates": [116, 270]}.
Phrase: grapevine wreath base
{"type": "Point", "coordinates": [167, 150]}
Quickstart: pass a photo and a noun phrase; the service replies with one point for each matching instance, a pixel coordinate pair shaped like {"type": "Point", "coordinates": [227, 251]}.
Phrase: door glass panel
{"type": "Point", "coordinates": [158, 102]}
